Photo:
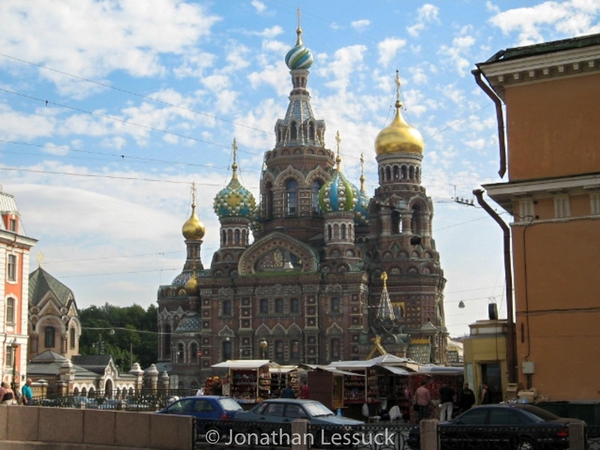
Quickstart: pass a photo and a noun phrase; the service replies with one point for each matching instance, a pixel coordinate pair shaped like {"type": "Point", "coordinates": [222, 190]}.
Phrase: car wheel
{"type": "Point", "coordinates": [525, 443]}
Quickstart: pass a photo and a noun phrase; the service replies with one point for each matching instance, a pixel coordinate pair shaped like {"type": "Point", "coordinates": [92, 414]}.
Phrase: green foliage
{"type": "Point", "coordinates": [129, 334]}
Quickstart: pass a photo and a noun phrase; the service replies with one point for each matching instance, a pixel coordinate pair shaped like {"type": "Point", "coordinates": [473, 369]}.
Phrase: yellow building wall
{"type": "Point", "coordinates": [548, 127]}
{"type": "Point", "coordinates": [558, 307]}
{"type": "Point", "coordinates": [483, 349]}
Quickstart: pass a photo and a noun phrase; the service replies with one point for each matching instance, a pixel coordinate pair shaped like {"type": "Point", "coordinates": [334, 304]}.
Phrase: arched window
{"type": "Point", "coordinates": [343, 231]}
{"type": "Point", "coordinates": [294, 131]}
{"type": "Point", "coordinates": [194, 353]}
{"type": "Point", "coordinates": [227, 308]}
{"type": "Point", "coordinates": [311, 131]}
{"type": "Point", "coordinates": [167, 341]}
{"type": "Point", "coordinates": [49, 334]}
{"type": "Point", "coordinates": [264, 306]}
{"type": "Point", "coordinates": [316, 187]}
{"type": "Point", "coordinates": [279, 305]}
{"type": "Point", "coordinates": [236, 237]}
{"type": "Point", "coordinates": [292, 197]}
{"type": "Point", "coordinates": [279, 351]}
{"type": "Point", "coordinates": [294, 306]}
{"type": "Point", "coordinates": [268, 200]}
{"type": "Point", "coordinates": [226, 350]}
{"type": "Point", "coordinates": [295, 351]}
{"type": "Point", "coordinates": [335, 305]}
{"type": "Point", "coordinates": [72, 338]}
{"type": "Point", "coordinates": [180, 353]}
{"type": "Point", "coordinates": [10, 310]}
{"type": "Point", "coordinates": [223, 238]}
{"type": "Point", "coordinates": [335, 349]}
{"type": "Point", "coordinates": [415, 223]}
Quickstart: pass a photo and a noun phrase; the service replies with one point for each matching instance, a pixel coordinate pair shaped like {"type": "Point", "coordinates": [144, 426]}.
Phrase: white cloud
{"type": "Point", "coordinates": [91, 39]}
{"type": "Point", "coordinates": [458, 53]}
{"type": "Point", "coordinates": [570, 18]}
{"type": "Point", "coordinates": [427, 13]}
{"type": "Point", "coordinates": [388, 49]}
{"type": "Point", "coordinates": [360, 25]}
{"type": "Point", "coordinates": [259, 6]}
{"type": "Point", "coordinates": [345, 62]}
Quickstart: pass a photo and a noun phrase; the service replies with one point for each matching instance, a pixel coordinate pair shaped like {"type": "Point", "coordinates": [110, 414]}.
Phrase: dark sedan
{"type": "Point", "coordinates": [274, 413]}
{"type": "Point", "coordinates": [514, 426]}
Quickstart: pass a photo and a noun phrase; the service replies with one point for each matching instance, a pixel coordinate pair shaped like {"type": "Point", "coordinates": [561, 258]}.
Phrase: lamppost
{"type": "Point", "coordinates": [263, 348]}
{"type": "Point", "coordinates": [14, 346]}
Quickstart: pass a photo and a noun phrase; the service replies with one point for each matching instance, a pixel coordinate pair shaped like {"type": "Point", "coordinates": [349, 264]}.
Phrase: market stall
{"type": "Point", "coordinates": [327, 385]}
{"type": "Point", "coordinates": [436, 377]}
{"type": "Point", "coordinates": [248, 380]}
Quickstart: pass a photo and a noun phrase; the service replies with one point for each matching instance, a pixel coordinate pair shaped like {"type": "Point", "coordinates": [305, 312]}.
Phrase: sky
{"type": "Point", "coordinates": [110, 110]}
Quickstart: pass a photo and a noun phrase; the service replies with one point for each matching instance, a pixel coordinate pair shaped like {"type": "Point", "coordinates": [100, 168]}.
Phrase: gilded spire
{"type": "Point", "coordinates": [193, 190]}
{"type": "Point", "coordinates": [338, 159]}
{"type": "Point", "coordinates": [384, 277]}
{"type": "Point", "coordinates": [385, 310]}
{"type": "Point", "coordinates": [299, 29]}
{"type": "Point", "coordinates": [398, 102]}
{"type": "Point", "coordinates": [362, 173]}
{"type": "Point", "coordinates": [234, 166]}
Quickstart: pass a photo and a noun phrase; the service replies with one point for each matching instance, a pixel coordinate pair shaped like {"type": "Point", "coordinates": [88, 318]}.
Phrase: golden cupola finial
{"type": "Point", "coordinates": [193, 228]}
{"type": "Point", "coordinates": [399, 136]}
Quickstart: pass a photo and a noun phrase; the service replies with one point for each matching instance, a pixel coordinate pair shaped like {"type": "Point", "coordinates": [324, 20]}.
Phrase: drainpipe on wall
{"type": "Point", "coordinates": [499, 117]}
{"type": "Point", "coordinates": [510, 339]}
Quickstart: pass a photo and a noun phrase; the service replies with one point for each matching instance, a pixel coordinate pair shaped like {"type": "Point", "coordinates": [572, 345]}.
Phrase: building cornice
{"type": "Point", "coordinates": [539, 68]}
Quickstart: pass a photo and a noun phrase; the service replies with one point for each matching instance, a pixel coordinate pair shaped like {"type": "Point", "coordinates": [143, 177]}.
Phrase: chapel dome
{"type": "Point", "coordinates": [193, 228]}
{"type": "Point", "coordinates": [399, 137]}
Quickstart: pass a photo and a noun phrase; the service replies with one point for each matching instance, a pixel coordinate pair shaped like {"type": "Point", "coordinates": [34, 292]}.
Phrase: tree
{"type": "Point", "coordinates": [129, 334]}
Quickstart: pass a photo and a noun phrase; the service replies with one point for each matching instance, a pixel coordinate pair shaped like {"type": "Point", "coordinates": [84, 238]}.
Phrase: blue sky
{"type": "Point", "coordinates": [109, 110]}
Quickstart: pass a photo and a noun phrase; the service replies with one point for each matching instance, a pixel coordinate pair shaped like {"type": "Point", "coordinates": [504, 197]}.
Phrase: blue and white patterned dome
{"type": "Point", "coordinates": [235, 201]}
{"type": "Point", "coordinates": [299, 57]}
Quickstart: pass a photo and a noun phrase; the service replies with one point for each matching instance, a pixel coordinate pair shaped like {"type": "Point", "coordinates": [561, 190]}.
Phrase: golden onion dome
{"type": "Point", "coordinates": [192, 287]}
{"type": "Point", "coordinates": [193, 228]}
{"type": "Point", "coordinates": [399, 137]}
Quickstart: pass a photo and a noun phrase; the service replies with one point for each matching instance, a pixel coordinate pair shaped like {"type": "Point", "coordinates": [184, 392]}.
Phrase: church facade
{"type": "Point", "coordinates": [315, 270]}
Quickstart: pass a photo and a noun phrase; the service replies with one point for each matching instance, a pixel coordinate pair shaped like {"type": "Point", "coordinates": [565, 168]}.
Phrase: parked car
{"type": "Point", "coordinates": [514, 425]}
{"type": "Point", "coordinates": [284, 411]}
{"type": "Point", "coordinates": [212, 407]}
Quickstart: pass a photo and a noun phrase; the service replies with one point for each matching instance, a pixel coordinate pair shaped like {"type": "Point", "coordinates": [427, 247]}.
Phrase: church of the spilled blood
{"type": "Point", "coordinates": [329, 273]}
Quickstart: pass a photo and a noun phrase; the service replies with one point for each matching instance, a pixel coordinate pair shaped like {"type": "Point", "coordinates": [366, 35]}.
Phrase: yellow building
{"type": "Point", "coordinates": [485, 359]}
{"type": "Point", "coordinates": [551, 97]}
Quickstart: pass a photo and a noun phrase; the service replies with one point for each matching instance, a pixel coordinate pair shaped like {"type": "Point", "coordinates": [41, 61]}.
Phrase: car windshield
{"type": "Point", "coordinates": [315, 409]}
{"type": "Point", "coordinates": [229, 404]}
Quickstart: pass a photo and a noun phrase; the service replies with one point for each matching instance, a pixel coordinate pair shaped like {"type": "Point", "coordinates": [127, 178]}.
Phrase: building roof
{"type": "Point", "coordinates": [544, 48]}
{"type": "Point", "coordinates": [94, 363]}
{"type": "Point", "coordinates": [41, 282]}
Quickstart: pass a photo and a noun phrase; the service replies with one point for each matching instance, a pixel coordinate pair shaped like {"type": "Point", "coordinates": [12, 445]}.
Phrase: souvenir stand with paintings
{"type": "Point", "coordinates": [379, 383]}
{"type": "Point", "coordinates": [281, 376]}
{"type": "Point", "coordinates": [249, 379]}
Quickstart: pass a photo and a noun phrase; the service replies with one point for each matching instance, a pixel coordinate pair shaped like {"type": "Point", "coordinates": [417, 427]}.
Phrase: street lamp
{"type": "Point", "coordinates": [263, 348]}
{"type": "Point", "coordinates": [14, 346]}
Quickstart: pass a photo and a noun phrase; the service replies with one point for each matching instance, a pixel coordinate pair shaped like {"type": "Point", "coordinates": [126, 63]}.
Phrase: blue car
{"type": "Point", "coordinates": [212, 407]}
